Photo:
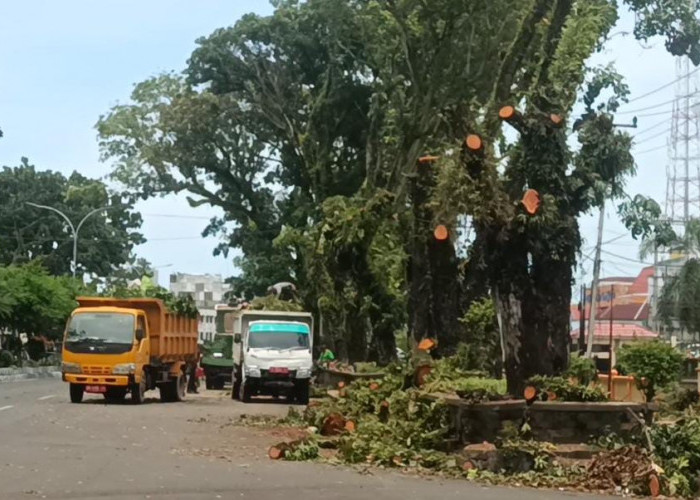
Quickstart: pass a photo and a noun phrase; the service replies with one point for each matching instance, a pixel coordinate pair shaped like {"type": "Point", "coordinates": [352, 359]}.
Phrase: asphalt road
{"type": "Point", "coordinates": [50, 448]}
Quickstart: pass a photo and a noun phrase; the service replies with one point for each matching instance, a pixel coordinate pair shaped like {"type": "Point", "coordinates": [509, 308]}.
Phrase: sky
{"type": "Point", "coordinates": [63, 64]}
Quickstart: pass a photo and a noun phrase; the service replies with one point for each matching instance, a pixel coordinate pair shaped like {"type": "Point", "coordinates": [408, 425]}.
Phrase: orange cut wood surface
{"type": "Point", "coordinates": [531, 201]}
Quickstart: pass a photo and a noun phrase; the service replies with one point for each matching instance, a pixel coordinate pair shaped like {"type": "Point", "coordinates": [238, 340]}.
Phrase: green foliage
{"type": "Point", "coordinates": [566, 390]}
{"type": "Point", "coordinates": [181, 305]}
{"type": "Point", "coordinates": [39, 303]}
{"type": "Point", "coordinates": [679, 398]}
{"type": "Point", "coordinates": [654, 364]}
{"type": "Point", "coordinates": [106, 238]}
{"type": "Point", "coordinates": [395, 426]}
{"type": "Point", "coordinates": [305, 127]}
{"type": "Point", "coordinates": [272, 303]}
{"type": "Point", "coordinates": [678, 448]}
{"type": "Point", "coordinates": [641, 216]}
{"type": "Point", "coordinates": [482, 348]}
{"type": "Point", "coordinates": [582, 369]}
{"type": "Point", "coordinates": [306, 450]}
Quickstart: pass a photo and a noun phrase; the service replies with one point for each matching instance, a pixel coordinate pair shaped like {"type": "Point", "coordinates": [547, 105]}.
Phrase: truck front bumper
{"type": "Point", "coordinates": [114, 380]}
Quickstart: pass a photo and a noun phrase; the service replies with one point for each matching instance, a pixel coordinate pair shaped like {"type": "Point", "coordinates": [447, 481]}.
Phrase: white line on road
{"type": "Point", "coordinates": [42, 398]}
{"type": "Point", "coordinates": [6, 407]}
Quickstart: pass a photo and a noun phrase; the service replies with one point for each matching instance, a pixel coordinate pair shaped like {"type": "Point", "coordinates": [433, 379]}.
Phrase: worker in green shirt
{"type": "Point", "coordinates": [326, 356]}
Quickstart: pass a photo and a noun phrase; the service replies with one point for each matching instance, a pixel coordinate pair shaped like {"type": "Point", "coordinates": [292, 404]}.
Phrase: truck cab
{"type": "Point", "coordinates": [273, 355]}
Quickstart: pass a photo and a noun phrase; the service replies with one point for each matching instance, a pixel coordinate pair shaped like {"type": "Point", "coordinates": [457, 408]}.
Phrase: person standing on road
{"type": "Point", "coordinates": [192, 381]}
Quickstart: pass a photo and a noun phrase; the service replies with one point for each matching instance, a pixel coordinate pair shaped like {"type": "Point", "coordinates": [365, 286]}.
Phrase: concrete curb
{"type": "Point", "coordinates": [41, 372]}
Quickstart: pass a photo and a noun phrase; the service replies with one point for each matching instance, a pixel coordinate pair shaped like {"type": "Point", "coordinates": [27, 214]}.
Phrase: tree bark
{"type": "Point", "coordinates": [434, 300]}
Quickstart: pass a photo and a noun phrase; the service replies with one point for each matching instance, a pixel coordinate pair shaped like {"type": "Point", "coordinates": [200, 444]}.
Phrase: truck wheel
{"type": "Point", "coordinates": [76, 393]}
{"type": "Point", "coordinates": [302, 392]}
{"type": "Point", "coordinates": [208, 383]}
{"type": "Point", "coordinates": [180, 387]}
{"type": "Point", "coordinates": [138, 392]}
{"type": "Point", "coordinates": [219, 384]}
{"type": "Point", "coordinates": [245, 392]}
{"type": "Point", "coordinates": [236, 386]}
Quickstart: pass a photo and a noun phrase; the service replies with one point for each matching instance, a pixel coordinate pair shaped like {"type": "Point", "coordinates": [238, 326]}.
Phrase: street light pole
{"type": "Point", "coordinates": [75, 230]}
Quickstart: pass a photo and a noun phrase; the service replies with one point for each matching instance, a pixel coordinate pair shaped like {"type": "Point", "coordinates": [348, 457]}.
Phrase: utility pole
{"type": "Point", "coordinates": [74, 229]}
{"type": "Point", "coordinates": [582, 321]}
{"type": "Point", "coordinates": [610, 340]}
{"type": "Point", "coordinates": [594, 286]}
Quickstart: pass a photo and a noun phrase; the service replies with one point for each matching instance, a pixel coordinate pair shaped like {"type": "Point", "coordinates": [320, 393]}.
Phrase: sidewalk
{"type": "Point", "coordinates": [13, 374]}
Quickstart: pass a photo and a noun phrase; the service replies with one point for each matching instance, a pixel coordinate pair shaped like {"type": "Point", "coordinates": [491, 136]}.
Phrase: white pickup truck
{"type": "Point", "coordinates": [272, 355]}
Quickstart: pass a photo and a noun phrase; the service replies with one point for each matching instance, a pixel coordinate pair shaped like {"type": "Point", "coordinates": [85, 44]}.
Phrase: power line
{"type": "Point", "coordinates": [665, 86]}
{"type": "Point", "coordinates": [176, 216]}
{"type": "Point", "coordinates": [650, 150]}
{"type": "Point", "coordinates": [627, 258]}
{"type": "Point", "coordinates": [653, 127]}
{"type": "Point", "coordinates": [654, 106]}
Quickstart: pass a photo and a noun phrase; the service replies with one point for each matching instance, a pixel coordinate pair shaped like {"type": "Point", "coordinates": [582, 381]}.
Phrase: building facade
{"type": "Point", "coordinates": [206, 290]}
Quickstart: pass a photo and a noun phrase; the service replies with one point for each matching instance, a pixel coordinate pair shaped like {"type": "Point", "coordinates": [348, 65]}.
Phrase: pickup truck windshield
{"type": "Point", "coordinates": [108, 328]}
{"type": "Point", "coordinates": [278, 336]}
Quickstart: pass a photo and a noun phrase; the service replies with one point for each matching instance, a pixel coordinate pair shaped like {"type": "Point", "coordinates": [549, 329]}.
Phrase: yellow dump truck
{"type": "Point", "coordinates": [119, 346]}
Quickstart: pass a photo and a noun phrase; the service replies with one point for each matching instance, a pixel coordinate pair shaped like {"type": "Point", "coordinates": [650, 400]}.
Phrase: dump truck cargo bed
{"type": "Point", "coordinates": [173, 338]}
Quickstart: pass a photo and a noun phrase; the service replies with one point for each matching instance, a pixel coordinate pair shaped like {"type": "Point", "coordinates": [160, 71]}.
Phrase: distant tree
{"type": "Point", "coordinates": [106, 240]}
{"type": "Point", "coordinates": [35, 302]}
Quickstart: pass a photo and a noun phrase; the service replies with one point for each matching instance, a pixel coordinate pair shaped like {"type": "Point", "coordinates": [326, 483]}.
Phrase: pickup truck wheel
{"type": "Point", "coordinates": [76, 393]}
{"type": "Point", "coordinates": [138, 392]}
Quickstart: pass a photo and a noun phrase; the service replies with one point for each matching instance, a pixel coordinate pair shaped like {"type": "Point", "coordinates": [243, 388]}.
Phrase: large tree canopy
{"type": "Point", "coordinates": [314, 123]}
{"type": "Point", "coordinates": [106, 239]}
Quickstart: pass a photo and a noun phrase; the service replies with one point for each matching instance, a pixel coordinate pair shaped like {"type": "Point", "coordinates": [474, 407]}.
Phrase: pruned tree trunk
{"type": "Point", "coordinates": [434, 300]}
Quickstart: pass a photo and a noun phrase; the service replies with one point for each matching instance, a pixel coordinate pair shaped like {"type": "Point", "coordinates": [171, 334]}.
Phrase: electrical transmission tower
{"type": "Point", "coordinates": [683, 171]}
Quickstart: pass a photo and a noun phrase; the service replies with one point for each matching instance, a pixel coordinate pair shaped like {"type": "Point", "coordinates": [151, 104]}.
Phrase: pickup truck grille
{"type": "Point", "coordinates": [97, 370]}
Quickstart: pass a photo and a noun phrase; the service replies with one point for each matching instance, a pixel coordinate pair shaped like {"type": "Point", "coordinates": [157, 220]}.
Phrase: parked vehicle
{"type": "Point", "coordinates": [119, 346]}
{"type": "Point", "coordinates": [273, 355]}
{"type": "Point", "coordinates": [218, 360]}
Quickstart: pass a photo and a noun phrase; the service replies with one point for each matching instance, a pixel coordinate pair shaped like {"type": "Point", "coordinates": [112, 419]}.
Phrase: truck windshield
{"type": "Point", "coordinates": [278, 336]}
{"type": "Point", "coordinates": [108, 328]}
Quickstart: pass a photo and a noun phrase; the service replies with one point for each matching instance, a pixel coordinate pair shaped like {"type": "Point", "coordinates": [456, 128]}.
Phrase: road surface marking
{"type": "Point", "coordinates": [42, 398]}
{"type": "Point", "coordinates": [6, 407]}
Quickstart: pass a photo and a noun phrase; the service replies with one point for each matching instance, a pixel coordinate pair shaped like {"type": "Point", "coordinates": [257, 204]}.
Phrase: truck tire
{"type": "Point", "coordinates": [173, 390]}
{"type": "Point", "coordinates": [218, 384]}
{"type": "Point", "coordinates": [245, 392]}
{"type": "Point", "coordinates": [76, 393]}
{"type": "Point", "coordinates": [138, 392]}
{"type": "Point", "coordinates": [236, 386]}
{"type": "Point", "coordinates": [302, 390]}
{"type": "Point", "coordinates": [208, 382]}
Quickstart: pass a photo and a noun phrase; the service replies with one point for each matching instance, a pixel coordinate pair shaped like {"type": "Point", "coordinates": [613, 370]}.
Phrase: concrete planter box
{"type": "Point", "coordinates": [554, 422]}
{"type": "Point", "coordinates": [11, 374]}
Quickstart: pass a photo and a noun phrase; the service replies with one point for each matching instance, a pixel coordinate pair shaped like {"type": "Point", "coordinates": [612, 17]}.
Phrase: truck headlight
{"type": "Point", "coordinates": [71, 368]}
{"type": "Point", "coordinates": [125, 369]}
{"type": "Point", "coordinates": [304, 373]}
{"type": "Point", "coordinates": [252, 371]}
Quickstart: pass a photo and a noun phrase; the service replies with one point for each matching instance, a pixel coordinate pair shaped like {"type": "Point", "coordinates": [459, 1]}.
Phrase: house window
{"type": "Point", "coordinates": [199, 287]}
{"type": "Point", "coordinates": [208, 296]}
